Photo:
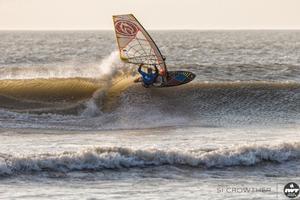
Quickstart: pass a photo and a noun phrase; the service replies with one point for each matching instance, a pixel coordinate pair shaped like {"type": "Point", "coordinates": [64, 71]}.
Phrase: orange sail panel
{"type": "Point", "coordinates": [135, 44]}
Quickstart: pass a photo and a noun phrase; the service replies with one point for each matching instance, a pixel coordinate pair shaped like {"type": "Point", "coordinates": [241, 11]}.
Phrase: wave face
{"type": "Point", "coordinates": [99, 158]}
{"type": "Point", "coordinates": [71, 103]}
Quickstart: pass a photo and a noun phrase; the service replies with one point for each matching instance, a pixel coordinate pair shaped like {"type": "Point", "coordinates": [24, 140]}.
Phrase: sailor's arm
{"type": "Point", "coordinates": [156, 69]}
{"type": "Point", "coordinates": [140, 68]}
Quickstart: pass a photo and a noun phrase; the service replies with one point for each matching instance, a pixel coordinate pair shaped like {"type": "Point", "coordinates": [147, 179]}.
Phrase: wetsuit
{"type": "Point", "coordinates": [148, 78]}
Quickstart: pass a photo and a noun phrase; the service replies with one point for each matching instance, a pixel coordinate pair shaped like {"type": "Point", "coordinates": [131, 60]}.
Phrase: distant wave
{"type": "Point", "coordinates": [105, 69]}
{"type": "Point", "coordinates": [99, 158]}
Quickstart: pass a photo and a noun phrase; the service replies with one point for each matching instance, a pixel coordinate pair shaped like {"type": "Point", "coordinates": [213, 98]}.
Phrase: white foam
{"type": "Point", "coordinates": [117, 157]}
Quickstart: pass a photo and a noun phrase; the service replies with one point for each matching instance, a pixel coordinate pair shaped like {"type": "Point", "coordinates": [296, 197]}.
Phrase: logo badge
{"type": "Point", "coordinates": [126, 28]}
{"type": "Point", "coordinates": [291, 190]}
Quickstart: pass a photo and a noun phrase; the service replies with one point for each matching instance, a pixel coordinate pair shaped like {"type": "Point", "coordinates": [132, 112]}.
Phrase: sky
{"type": "Point", "coordinates": [153, 14]}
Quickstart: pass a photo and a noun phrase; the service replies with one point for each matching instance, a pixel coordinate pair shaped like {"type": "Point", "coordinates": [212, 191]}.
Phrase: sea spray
{"type": "Point", "coordinates": [110, 68]}
{"type": "Point", "coordinates": [107, 67]}
{"type": "Point", "coordinates": [110, 64]}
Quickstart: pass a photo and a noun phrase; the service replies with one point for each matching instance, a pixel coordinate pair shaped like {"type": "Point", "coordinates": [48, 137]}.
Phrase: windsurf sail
{"type": "Point", "coordinates": [135, 44]}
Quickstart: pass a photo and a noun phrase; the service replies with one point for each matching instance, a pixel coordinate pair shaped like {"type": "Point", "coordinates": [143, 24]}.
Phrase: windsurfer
{"type": "Point", "coordinates": [148, 78]}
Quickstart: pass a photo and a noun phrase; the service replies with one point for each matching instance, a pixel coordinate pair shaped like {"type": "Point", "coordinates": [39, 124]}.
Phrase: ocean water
{"type": "Point", "coordinates": [73, 125]}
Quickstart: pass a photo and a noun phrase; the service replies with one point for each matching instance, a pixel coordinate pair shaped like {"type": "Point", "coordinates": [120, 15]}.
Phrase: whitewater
{"type": "Point", "coordinates": [73, 125]}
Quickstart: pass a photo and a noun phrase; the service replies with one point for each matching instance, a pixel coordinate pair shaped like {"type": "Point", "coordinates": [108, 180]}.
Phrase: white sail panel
{"type": "Point", "coordinates": [135, 44]}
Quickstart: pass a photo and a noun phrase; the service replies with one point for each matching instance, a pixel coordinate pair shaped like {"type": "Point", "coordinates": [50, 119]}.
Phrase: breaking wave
{"type": "Point", "coordinates": [104, 97]}
{"type": "Point", "coordinates": [86, 104]}
{"type": "Point", "coordinates": [99, 158]}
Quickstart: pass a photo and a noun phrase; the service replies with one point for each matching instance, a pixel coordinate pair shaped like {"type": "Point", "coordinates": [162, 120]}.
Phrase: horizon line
{"type": "Point", "coordinates": [171, 29]}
